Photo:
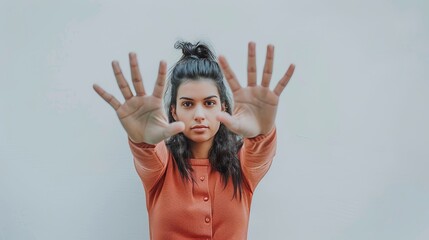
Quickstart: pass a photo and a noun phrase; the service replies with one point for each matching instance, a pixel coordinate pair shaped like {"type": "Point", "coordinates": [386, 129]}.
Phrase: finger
{"type": "Point", "coordinates": [228, 121]}
{"type": "Point", "coordinates": [173, 129]}
{"type": "Point", "coordinates": [109, 98]}
{"type": "Point", "coordinates": [122, 83]}
{"type": "Point", "coordinates": [135, 75]}
{"type": "Point", "coordinates": [160, 81]}
{"type": "Point", "coordinates": [229, 74]}
{"type": "Point", "coordinates": [284, 81]}
{"type": "Point", "coordinates": [251, 65]}
{"type": "Point", "coordinates": [268, 67]}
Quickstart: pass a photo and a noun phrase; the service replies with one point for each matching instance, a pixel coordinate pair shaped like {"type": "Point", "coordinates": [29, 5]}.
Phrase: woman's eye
{"type": "Point", "coordinates": [210, 103]}
{"type": "Point", "coordinates": [187, 104]}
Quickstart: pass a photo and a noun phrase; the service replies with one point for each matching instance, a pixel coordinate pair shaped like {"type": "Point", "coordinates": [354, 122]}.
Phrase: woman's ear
{"type": "Point", "coordinates": [224, 107]}
{"type": "Point", "coordinates": [173, 112]}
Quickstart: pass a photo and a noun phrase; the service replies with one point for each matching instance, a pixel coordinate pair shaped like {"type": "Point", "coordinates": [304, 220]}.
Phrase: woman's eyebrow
{"type": "Point", "coordinates": [212, 96]}
{"type": "Point", "coordinates": [188, 98]}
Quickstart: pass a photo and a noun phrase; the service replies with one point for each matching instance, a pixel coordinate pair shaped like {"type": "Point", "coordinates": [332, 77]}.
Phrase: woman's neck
{"type": "Point", "coordinates": [201, 150]}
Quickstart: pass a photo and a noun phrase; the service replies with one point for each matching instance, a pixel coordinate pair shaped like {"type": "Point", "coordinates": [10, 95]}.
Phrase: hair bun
{"type": "Point", "coordinates": [197, 50]}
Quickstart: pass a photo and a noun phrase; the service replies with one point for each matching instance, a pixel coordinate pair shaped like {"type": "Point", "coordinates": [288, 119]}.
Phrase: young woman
{"type": "Point", "coordinates": [201, 162]}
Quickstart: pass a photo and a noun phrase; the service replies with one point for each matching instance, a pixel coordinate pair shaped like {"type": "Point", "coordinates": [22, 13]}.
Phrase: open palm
{"type": "Point", "coordinates": [255, 106]}
{"type": "Point", "coordinates": [142, 116]}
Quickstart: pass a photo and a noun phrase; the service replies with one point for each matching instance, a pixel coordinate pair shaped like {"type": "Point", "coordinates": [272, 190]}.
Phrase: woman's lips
{"type": "Point", "coordinates": [199, 128]}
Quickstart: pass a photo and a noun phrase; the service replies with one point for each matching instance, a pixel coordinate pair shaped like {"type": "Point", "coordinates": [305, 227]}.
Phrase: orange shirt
{"type": "Point", "coordinates": [179, 209]}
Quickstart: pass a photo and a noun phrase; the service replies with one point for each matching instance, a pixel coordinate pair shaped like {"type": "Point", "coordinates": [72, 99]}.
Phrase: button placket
{"type": "Point", "coordinates": [202, 190]}
{"type": "Point", "coordinates": [206, 198]}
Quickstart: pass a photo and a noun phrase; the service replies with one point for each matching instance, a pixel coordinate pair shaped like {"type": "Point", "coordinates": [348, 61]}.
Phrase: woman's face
{"type": "Point", "coordinates": [197, 104]}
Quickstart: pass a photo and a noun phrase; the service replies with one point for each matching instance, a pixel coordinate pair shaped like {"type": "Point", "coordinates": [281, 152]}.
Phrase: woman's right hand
{"type": "Point", "coordinates": [142, 116]}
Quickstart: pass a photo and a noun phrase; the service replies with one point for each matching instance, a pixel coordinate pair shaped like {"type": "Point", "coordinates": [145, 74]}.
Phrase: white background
{"type": "Point", "coordinates": [352, 160]}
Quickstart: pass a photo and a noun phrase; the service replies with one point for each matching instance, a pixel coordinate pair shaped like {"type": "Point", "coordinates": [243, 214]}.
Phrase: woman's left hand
{"type": "Point", "coordinates": [255, 106]}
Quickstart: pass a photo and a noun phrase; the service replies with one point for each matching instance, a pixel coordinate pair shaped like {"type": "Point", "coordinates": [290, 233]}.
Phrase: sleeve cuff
{"type": "Point", "coordinates": [142, 144]}
{"type": "Point", "coordinates": [262, 136]}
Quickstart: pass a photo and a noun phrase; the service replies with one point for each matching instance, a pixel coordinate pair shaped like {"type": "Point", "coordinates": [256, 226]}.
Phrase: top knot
{"type": "Point", "coordinates": [196, 51]}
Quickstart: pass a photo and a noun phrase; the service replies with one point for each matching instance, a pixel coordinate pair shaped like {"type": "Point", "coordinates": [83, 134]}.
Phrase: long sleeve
{"type": "Point", "coordinates": [256, 156]}
{"type": "Point", "coordinates": [150, 161]}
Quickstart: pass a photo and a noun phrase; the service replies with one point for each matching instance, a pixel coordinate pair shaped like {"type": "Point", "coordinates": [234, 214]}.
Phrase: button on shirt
{"type": "Point", "coordinates": [203, 209]}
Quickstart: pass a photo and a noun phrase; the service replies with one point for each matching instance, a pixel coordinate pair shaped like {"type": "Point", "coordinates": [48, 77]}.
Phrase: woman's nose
{"type": "Point", "coordinates": [199, 113]}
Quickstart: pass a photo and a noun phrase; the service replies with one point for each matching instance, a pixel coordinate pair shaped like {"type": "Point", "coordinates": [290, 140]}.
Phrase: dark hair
{"type": "Point", "coordinates": [198, 62]}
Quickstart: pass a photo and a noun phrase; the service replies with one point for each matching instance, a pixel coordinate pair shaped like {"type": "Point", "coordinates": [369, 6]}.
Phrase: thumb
{"type": "Point", "coordinates": [173, 129]}
{"type": "Point", "coordinates": [229, 121]}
